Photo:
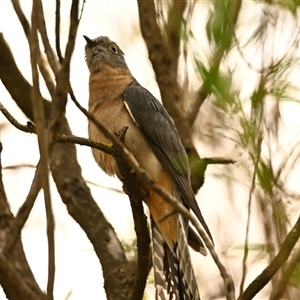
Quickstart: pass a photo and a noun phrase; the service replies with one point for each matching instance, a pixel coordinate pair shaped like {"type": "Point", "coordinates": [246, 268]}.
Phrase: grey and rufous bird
{"type": "Point", "coordinates": [117, 100]}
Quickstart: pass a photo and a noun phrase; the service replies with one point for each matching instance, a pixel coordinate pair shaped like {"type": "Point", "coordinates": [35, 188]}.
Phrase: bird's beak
{"type": "Point", "coordinates": [89, 41]}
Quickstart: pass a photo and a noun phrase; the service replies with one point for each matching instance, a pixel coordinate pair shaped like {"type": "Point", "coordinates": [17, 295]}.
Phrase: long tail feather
{"type": "Point", "coordinates": [158, 253]}
{"type": "Point", "coordinates": [186, 271]}
{"type": "Point", "coordinates": [173, 273]}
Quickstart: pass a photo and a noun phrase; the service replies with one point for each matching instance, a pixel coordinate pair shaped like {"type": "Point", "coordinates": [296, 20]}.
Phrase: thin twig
{"type": "Point", "coordinates": [40, 122]}
{"type": "Point", "coordinates": [31, 166]}
{"type": "Point", "coordinates": [246, 245]}
{"type": "Point", "coordinates": [52, 59]}
{"type": "Point", "coordinates": [57, 31]}
{"type": "Point", "coordinates": [72, 31]}
{"type": "Point", "coordinates": [23, 213]}
{"type": "Point", "coordinates": [16, 261]}
{"type": "Point", "coordinates": [59, 138]}
{"type": "Point", "coordinates": [73, 139]}
{"type": "Point", "coordinates": [57, 113]}
{"type": "Point", "coordinates": [43, 65]}
{"type": "Point", "coordinates": [81, 11]}
{"type": "Point", "coordinates": [116, 190]}
{"type": "Point", "coordinates": [257, 116]}
{"type": "Point", "coordinates": [14, 167]}
{"type": "Point", "coordinates": [59, 102]}
{"type": "Point", "coordinates": [14, 122]}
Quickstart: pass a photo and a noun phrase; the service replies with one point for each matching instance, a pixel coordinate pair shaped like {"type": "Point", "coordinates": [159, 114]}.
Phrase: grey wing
{"type": "Point", "coordinates": [160, 131]}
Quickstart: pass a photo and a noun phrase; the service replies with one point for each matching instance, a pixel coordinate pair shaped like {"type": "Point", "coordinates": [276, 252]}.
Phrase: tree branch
{"type": "Point", "coordinates": [41, 61]}
{"type": "Point", "coordinates": [165, 67]}
{"type": "Point", "coordinates": [178, 207]}
{"type": "Point", "coordinates": [52, 59]}
{"type": "Point", "coordinates": [14, 283]}
{"type": "Point", "coordinates": [9, 273]}
{"type": "Point", "coordinates": [66, 171]}
{"type": "Point", "coordinates": [131, 188]}
{"type": "Point", "coordinates": [174, 27]}
{"type": "Point", "coordinates": [133, 192]}
{"type": "Point", "coordinates": [57, 31]}
{"type": "Point", "coordinates": [261, 280]}
{"type": "Point", "coordinates": [11, 77]}
{"type": "Point", "coordinates": [279, 290]}
{"type": "Point", "coordinates": [40, 121]}
{"type": "Point", "coordinates": [59, 138]}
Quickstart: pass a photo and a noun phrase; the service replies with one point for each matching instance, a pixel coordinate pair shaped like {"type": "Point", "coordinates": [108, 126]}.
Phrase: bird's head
{"type": "Point", "coordinates": [101, 51]}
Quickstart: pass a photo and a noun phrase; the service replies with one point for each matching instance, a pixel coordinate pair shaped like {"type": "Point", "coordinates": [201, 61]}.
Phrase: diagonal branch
{"type": "Point", "coordinates": [135, 197]}
{"type": "Point", "coordinates": [16, 281]}
{"type": "Point", "coordinates": [131, 188]}
{"type": "Point", "coordinates": [23, 213]}
{"type": "Point", "coordinates": [279, 290]}
{"type": "Point", "coordinates": [261, 280]}
{"type": "Point", "coordinates": [178, 207]}
{"type": "Point", "coordinates": [11, 77]}
{"type": "Point", "coordinates": [43, 66]}
{"type": "Point", "coordinates": [22, 18]}
{"type": "Point", "coordinates": [20, 267]}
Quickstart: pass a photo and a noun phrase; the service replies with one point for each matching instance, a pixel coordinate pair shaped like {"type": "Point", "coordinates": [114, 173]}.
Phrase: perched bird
{"type": "Point", "coordinates": [118, 100]}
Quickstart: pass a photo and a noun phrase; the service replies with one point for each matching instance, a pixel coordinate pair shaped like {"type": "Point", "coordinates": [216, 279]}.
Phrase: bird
{"type": "Point", "coordinates": [117, 100]}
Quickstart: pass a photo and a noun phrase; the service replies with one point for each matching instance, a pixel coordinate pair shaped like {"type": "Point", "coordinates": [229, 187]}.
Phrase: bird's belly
{"type": "Point", "coordinates": [134, 140]}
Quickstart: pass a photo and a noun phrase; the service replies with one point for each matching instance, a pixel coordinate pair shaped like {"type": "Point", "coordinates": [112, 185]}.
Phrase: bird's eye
{"type": "Point", "coordinates": [113, 48]}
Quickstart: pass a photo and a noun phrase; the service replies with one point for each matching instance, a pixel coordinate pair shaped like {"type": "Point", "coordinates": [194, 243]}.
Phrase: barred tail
{"type": "Point", "coordinates": [173, 272]}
